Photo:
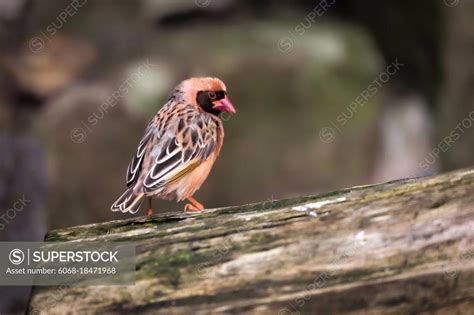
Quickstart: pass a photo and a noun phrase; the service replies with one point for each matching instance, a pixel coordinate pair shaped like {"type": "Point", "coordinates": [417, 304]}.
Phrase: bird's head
{"type": "Point", "coordinates": [209, 94]}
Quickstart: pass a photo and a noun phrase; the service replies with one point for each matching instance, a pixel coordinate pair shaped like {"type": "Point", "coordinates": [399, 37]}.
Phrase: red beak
{"type": "Point", "coordinates": [224, 105]}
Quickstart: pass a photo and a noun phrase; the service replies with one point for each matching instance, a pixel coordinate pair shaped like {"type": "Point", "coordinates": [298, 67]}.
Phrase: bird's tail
{"type": "Point", "coordinates": [128, 202]}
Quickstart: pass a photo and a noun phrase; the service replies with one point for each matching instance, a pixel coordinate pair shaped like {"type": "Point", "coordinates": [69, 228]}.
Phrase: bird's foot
{"type": "Point", "coordinates": [193, 206]}
{"type": "Point", "coordinates": [149, 211]}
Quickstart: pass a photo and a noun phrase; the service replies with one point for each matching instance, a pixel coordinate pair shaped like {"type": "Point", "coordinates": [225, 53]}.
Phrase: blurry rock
{"type": "Point", "coordinates": [154, 82]}
{"type": "Point", "coordinates": [45, 65]}
{"type": "Point", "coordinates": [165, 8]}
{"type": "Point", "coordinates": [406, 129]}
{"type": "Point", "coordinates": [11, 9]}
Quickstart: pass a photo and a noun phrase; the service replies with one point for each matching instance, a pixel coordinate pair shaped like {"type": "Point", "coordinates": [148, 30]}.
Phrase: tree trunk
{"type": "Point", "coordinates": [403, 247]}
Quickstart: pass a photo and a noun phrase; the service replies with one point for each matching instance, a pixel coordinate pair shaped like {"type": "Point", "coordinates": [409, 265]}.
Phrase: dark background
{"type": "Point", "coordinates": [295, 70]}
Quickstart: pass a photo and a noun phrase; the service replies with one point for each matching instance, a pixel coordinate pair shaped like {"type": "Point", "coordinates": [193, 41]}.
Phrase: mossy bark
{"type": "Point", "coordinates": [401, 247]}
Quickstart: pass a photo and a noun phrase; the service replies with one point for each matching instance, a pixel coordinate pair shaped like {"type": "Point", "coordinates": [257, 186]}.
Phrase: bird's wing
{"type": "Point", "coordinates": [135, 166]}
{"type": "Point", "coordinates": [187, 140]}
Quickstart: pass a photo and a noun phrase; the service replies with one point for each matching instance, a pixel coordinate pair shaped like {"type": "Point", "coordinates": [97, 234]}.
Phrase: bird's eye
{"type": "Point", "coordinates": [212, 95]}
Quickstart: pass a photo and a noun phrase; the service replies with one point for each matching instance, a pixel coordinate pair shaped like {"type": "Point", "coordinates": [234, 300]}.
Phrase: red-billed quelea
{"type": "Point", "coordinates": [179, 147]}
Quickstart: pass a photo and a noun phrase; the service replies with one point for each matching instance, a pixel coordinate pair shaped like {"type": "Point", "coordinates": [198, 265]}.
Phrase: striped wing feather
{"type": "Point", "coordinates": [182, 148]}
{"type": "Point", "coordinates": [135, 166]}
{"type": "Point", "coordinates": [176, 141]}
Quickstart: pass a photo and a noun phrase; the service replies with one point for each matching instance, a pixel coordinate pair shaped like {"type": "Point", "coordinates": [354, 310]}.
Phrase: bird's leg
{"type": "Point", "coordinates": [193, 206]}
{"type": "Point", "coordinates": [149, 211]}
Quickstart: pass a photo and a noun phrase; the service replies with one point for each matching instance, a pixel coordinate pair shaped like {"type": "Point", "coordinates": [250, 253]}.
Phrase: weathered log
{"type": "Point", "coordinates": [402, 247]}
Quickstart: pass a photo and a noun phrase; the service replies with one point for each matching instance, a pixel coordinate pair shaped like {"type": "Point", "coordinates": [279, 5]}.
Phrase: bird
{"type": "Point", "coordinates": [179, 147]}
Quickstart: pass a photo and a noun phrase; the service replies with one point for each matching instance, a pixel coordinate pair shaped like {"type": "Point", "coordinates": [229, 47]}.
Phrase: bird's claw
{"type": "Point", "coordinates": [192, 208]}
